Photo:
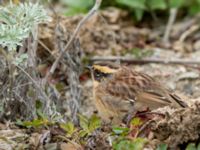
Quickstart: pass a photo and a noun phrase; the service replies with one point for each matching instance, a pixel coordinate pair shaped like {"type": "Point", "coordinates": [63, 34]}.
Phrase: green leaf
{"type": "Point", "coordinates": [176, 3]}
{"type": "Point", "coordinates": [83, 133]}
{"type": "Point", "coordinates": [84, 122]}
{"type": "Point", "coordinates": [68, 127]}
{"type": "Point", "coordinates": [35, 123]}
{"type": "Point", "coordinates": [41, 115]}
{"type": "Point", "coordinates": [123, 145]}
{"type": "Point", "coordinates": [4, 17]}
{"type": "Point", "coordinates": [38, 104]}
{"type": "Point", "coordinates": [74, 11]}
{"type": "Point", "coordinates": [162, 147]}
{"type": "Point", "coordinates": [137, 144]}
{"type": "Point", "coordinates": [19, 122]}
{"type": "Point", "coordinates": [198, 147]}
{"type": "Point", "coordinates": [136, 121]}
{"type": "Point", "coordinates": [39, 111]}
{"type": "Point", "coordinates": [21, 59]}
{"type": "Point", "coordinates": [194, 9]}
{"type": "Point", "coordinates": [81, 4]}
{"type": "Point", "coordinates": [157, 4]}
{"type": "Point", "coordinates": [17, 22]}
{"type": "Point", "coordinates": [59, 86]}
{"type": "Point", "coordinates": [120, 130]}
{"type": "Point", "coordinates": [139, 4]}
{"type": "Point", "coordinates": [94, 123]}
{"type": "Point", "coordinates": [191, 146]}
{"type": "Point", "coordinates": [138, 14]}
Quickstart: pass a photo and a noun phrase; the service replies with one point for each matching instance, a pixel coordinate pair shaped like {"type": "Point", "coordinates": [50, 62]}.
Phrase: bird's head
{"type": "Point", "coordinates": [102, 70]}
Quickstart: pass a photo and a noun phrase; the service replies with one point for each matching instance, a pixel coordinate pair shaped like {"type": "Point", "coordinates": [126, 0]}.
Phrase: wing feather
{"type": "Point", "coordinates": [129, 84]}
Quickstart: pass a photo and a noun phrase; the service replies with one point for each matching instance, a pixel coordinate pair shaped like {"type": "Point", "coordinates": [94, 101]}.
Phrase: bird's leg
{"type": "Point", "coordinates": [143, 127]}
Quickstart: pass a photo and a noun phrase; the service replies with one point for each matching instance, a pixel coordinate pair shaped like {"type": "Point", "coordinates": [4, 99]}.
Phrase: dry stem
{"type": "Point", "coordinates": [172, 17]}
{"type": "Point", "coordinates": [188, 32]}
{"type": "Point", "coordinates": [39, 89]}
{"type": "Point", "coordinates": [145, 60]}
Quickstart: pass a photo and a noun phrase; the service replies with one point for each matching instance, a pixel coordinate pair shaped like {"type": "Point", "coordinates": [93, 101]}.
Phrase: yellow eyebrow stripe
{"type": "Point", "coordinates": [104, 69]}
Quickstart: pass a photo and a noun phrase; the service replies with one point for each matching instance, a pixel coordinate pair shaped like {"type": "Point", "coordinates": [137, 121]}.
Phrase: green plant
{"type": "Point", "coordinates": [36, 123]}
{"type": "Point", "coordinates": [121, 131]}
{"type": "Point", "coordinates": [77, 6]}
{"type": "Point", "coordinates": [126, 144]}
{"type": "Point", "coordinates": [41, 120]}
{"type": "Point", "coordinates": [21, 59]}
{"type": "Point", "coordinates": [136, 122]}
{"type": "Point", "coordinates": [192, 146]}
{"type": "Point", "coordinates": [17, 21]}
{"type": "Point", "coordinates": [137, 7]}
{"type": "Point", "coordinates": [89, 125]}
{"type": "Point", "coordinates": [162, 147]}
{"type": "Point", "coordinates": [69, 128]}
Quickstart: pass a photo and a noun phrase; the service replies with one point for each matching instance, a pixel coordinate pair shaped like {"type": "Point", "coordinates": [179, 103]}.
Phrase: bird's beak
{"type": "Point", "coordinates": [88, 68]}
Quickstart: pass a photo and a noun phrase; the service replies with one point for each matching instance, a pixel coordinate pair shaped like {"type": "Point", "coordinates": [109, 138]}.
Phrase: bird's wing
{"type": "Point", "coordinates": [178, 100]}
{"type": "Point", "coordinates": [152, 100]}
{"type": "Point", "coordinates": [141, 87]}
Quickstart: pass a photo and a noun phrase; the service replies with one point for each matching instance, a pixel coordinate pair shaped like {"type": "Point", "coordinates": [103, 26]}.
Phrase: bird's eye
{"type": "Point", "coordinates": [97, 74]}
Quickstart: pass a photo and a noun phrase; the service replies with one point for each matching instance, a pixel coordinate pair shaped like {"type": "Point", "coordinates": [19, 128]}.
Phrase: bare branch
{"type": "Point", "coordinates": [188, 32]}
{"type": "Point", "coordinates": [172, 17]}
{"type": "Point", "coordinates": [146, 60]}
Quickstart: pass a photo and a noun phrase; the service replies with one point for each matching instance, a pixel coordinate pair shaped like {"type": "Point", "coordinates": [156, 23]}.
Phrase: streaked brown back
{"type": "Point", "coordinates": [129, 84]}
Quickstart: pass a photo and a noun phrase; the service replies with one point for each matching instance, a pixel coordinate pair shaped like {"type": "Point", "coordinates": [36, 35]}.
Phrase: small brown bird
{"type": "Point", "coordinates": [120, 91]}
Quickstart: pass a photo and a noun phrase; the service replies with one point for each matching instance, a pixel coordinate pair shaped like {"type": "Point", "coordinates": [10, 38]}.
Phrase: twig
{"type": "Point", "coordinates": [70, 141]}
{"type": "Point", "coordinates": [36, 85]}
{"type": "Point", "coordinates": [81, 23]}
{"type": "Point", "coordinates": [45, 47]}
{"type": "Point", "coordinates": [188, 32]}
{"type": "Point", "coordinates": [172, 17]}
{"type": "Point", "coordinates": [145, 60]}
{"type": "Point", "coordinates": [49, 51]}
{"type": "Point", "coordinates": [143, 127]}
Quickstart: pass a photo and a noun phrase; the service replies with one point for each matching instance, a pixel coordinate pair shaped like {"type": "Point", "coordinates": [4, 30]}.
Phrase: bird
{"type": "Point", "coordinates": [120, 91]}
